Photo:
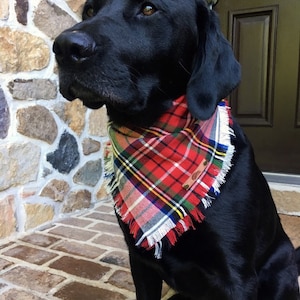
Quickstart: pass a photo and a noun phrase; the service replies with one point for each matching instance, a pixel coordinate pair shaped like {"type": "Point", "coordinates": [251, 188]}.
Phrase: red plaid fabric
{"type": "Point", "coordinates": [163, 178]}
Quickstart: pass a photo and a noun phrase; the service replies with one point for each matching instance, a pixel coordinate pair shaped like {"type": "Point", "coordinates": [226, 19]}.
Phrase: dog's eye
{"type": "Point", "coordinates": [148, 9]}
{"type": "Point", "coordinates": [90, 12]}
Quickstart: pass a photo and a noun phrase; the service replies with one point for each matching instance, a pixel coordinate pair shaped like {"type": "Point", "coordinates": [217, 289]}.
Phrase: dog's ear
{"type": "Point", "coordinates": [215, 71]}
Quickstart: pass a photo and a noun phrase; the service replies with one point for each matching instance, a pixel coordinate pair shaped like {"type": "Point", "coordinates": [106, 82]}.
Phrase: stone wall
{"type": "Point", "coordinates": [50, 149]}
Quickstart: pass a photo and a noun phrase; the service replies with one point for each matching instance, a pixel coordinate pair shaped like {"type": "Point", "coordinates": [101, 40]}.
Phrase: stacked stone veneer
{"type": "Point", "coordinates": [50, 149]}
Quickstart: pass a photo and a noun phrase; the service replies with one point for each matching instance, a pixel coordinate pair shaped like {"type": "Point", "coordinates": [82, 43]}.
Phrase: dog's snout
{"type": "Point", "coordinates": [74, 46]}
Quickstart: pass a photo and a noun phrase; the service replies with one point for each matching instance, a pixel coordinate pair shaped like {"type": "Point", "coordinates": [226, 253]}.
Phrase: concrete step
{"type": "Point", "coordinates": [285, 189]}
{"type": "Point", "coordinates": [291, 225]}
{"type": "Point", "coordinates": [287, 198]}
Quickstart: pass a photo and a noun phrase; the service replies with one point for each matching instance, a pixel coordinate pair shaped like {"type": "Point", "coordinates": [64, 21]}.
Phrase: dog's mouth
{"type": "Point", "coordinates": [96, 99]}
{"type": "Point", "coordinates": [90, 98]}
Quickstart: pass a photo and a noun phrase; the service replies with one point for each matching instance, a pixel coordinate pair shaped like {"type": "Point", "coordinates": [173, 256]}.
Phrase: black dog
{"type": "Point", "coordinates": [136, 57]}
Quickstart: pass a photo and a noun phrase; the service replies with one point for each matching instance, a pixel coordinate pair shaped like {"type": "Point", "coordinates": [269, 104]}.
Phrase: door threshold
{"type": "Point", "coordinates": [283, 181]}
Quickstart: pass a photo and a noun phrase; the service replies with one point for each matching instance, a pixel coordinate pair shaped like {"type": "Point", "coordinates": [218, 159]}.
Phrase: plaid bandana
{"type": "Point", "coordinates": [164, 177]}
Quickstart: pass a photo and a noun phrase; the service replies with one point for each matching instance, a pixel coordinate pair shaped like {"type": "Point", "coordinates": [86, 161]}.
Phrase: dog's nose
{"type": "Point", "coordinates": [74, 46]}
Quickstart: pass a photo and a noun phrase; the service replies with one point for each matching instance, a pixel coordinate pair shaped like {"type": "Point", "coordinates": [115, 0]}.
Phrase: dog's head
{"type": "Point", "coordinates": [137, 56]}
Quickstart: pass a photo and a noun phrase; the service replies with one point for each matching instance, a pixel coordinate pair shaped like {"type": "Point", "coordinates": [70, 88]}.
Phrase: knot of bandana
{"type": "Point", "coordinates": [164, 177]}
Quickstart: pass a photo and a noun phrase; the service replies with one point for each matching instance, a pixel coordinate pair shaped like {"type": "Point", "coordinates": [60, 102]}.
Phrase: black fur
{"type": "Point", "coordinates": [136, 62]}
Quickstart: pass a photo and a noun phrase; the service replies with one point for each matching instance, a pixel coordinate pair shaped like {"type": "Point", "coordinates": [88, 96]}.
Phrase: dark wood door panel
{"type": "Point", "coordinates": [298, 103]}
{"type": "Point", "coordinates": [252, 33]}
{"type": "Point", "coordinates": [265, 35]}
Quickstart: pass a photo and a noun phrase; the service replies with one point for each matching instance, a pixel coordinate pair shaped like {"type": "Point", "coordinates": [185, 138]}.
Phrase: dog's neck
{"type": "Point", "coordinates": [143, 118]}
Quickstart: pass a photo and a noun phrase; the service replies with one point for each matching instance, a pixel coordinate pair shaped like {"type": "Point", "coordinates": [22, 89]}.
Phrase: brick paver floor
{"type": "Point", "coordinates": [83, 257]}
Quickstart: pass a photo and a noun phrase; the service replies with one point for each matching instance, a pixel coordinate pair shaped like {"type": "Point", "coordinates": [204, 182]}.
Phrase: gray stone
{"type": "Point", "coordinates": [19, 164]}
{"type": "Point", "coordinates": [90, 146]}
{"type": "Point", "coordinates": [77, 200]}
{"type": "Point", "coordinates": [4, 116]}
{"type": "Point", "coordinates": [21, 8]}
{"type": "Point", "coordinates": [46, 172]}
{"type": "Point", "coordinates": [116, 258]}
{"type": "Point", "coordinates": [51, 19]}
{"type": "Point", "coordinates": [66, 157]}
{"type": "Point", "coordinates": [33, 89]}
{"type": "Point", "coordinates": [37, 122]}
{"type": "Point", "coordinates": [89, 174]}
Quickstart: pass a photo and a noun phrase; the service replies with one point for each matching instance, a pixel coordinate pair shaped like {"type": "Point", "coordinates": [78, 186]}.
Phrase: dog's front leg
{"type": "Point", "coordinates": [147, 281]}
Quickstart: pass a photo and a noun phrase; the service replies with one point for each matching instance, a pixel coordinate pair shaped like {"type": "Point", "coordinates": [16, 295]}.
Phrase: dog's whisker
{"type": "Point", "coordinates": [134, 71]}
{"type": "Point", "coordinates": [184, 68]}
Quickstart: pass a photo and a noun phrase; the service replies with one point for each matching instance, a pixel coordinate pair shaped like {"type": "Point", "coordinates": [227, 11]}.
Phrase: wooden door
{"type": "Point", "coordinates": [265, 35]}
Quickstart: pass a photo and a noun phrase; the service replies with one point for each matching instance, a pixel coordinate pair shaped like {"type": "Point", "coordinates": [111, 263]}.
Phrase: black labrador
{"type": "Point", "coordinates": [135, 57]}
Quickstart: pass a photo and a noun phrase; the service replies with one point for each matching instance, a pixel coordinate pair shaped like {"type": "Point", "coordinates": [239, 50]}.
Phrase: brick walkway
{"type": "Point", "coordinates": [81, 257]}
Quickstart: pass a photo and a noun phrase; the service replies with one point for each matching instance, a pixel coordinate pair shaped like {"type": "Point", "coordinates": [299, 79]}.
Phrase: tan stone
{"type": "Point", "coordinates": [287, 201]}
{"type": "Point", "coordinates": [4, 9]}
{"type": "Point", "coordinates": [103, 192]}
{"type": "Point", "coordinates": [7, 217]}
{"type": "Point", "coordinates": [22, 52]}
{"type": "Point", "coordinates": [98, 122]}
{"type": "Point", "coordinates": [37, 214]}
{"type": "Point", "coordinates": [19, 164]}
{"type": "Point", "coordinates": [77, 200]}
{"type": "Point", "coordinates": [51, 19]}
{"type": "Point", "coordinates": [291, 225]}
{"type": "Point", "coordinates": [75, 116]}
{"type": "Point", "coordinates": [56, 190]}
{"type": "Point", "coordinates": [76, 5]}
